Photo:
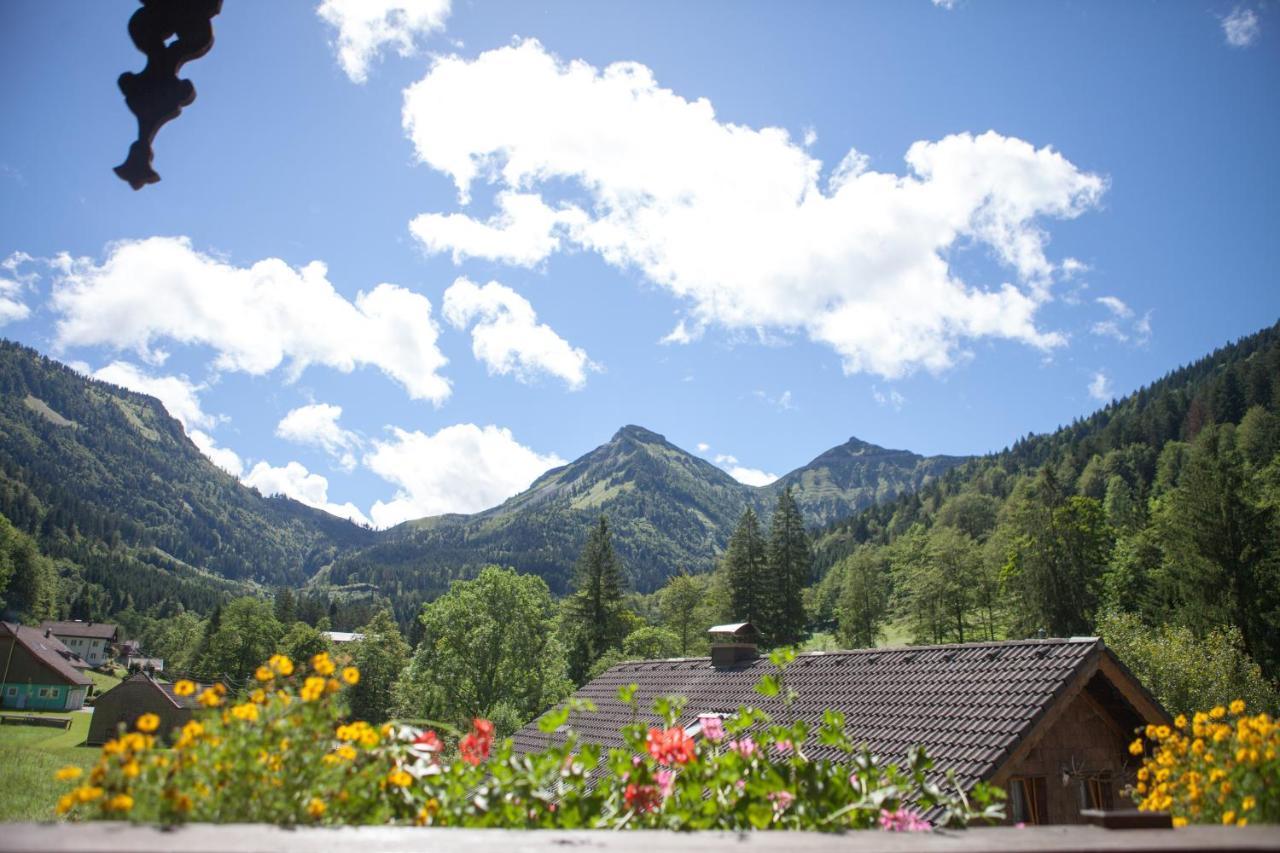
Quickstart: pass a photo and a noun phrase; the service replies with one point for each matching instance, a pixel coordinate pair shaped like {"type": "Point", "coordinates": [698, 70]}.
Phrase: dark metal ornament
{"type": "Point", "coordinates": [171, 33]}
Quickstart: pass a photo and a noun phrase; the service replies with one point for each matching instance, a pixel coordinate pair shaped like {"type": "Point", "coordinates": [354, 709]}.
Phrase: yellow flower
{"type": "Point", "coordinates": [1143, 774]}
{"type": "Point", "coordinates": [347, 751]}
{"type": "Point", "coordinates": [1218, 712]}
{"type": "Point", "coordinates": [281, 664]}
{"type": "Point", "coordinates": [322, 664]}
{"type": "Point", "coordinates": [351, 675]}
{"type": "Point", "coordinates": [68, 773]}
{"type": "Point", "coordinates": [1135, 748]}
{"type": "Point", "coordinates": [1247, 803]}
{"type": "Point", "coordinates": [1228, 818]}
{"type": "Point", "coordinates": [120, 803]}
{"type": "Point", "coordinates": [263, 673]}
{"type": "Point", "coordinates": [246, 711]}
{"type": "Point", "coordinates": [65, 803]}
{"type": "Point", "coordinates": [1162, 732]}
{"type": "Point", "coordinates": [399, 778]}
{"type": "Point", "coordinates": [148, 723]}
{"type": "Point", "coordinates": [185, 687]}
{"type": "Point", "coordinates": [1244, 821]}
{"type": "Point", "coordinates": [1180, 721]}
{"type": "Point", "coordinates": [131, 770]}
{"type": "Point", "coordinates": [87, 793]}
{"type": "Point", "coordinates": [316, 808]}
{"type": "Point", "coordinates": [210, 698]}
{"type": "Point", "coordinates": [1237, 707]}
{"type": "Point", "coordinates": [258, 695]}
{"type": "Point", "coordinates": [312, 689]}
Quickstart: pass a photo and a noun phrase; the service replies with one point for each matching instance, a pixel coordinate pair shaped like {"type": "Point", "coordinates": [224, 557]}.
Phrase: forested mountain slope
{"type": "Point", "coordinates": [1164, 504]}
{"type": "Point", "coordinates": [106, 479]}
{"type": "Point", "coordinates": [669, 511]}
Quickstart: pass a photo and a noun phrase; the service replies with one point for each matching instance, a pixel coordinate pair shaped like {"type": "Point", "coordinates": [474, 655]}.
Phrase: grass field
{"type": "Point", "coordinates": [29, 756]}
{"type": "Point", "coordinates": [102, 682]}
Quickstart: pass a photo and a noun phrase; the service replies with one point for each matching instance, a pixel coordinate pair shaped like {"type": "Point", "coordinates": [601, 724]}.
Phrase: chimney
{"type": "Point", "coordinates": [733, 645]}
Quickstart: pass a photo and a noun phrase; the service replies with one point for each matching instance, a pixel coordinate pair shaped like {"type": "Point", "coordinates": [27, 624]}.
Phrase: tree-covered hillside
{"type": "Point", "coordinates": [670, 511]}
{"type": "Point", "coordinates": [106, 481]}
{"type": "Point", "coordinates": [1164, 505]}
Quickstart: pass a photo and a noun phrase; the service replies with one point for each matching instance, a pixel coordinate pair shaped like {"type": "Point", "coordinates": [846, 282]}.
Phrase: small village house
{"type": "Point", "coordinates": [38, 672]}
{"type": "Point", "coordinates": [137, 695]}
{"type": "Point", "coordinates": [92, 641]}
{"type": "Point", "coordinates": [1048, 720]}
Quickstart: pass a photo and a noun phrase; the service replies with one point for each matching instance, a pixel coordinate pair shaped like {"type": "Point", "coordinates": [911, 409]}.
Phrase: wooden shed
{"type": "Point", "coordinates": [137, 695]}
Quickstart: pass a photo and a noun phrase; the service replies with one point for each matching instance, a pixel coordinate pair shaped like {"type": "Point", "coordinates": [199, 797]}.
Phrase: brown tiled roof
{"type": "Point", "coordinates": [969, 705]}
{"type": "Point", "coordinates": [49, 650]}
{"type": "Point", "coordinates": [77, 628]}
{"type": "Point", "coordinates": [164, 688]}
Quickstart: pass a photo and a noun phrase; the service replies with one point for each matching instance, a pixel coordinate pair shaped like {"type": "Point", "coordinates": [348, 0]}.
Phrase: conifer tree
{"type": "Point", "coordinates": [746, 568]}
{"type": "Point", "coordinates": [594, 613]}
{"type": "Point", "coordinates": [790, 563]}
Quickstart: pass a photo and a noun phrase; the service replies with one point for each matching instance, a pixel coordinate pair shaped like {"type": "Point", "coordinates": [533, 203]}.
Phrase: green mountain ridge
{"type": "Point", "coordinates": [109, 482]}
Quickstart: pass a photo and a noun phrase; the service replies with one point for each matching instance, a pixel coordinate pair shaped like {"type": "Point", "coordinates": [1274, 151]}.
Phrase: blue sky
{"type": "Point", "coordinates": [399, 265]}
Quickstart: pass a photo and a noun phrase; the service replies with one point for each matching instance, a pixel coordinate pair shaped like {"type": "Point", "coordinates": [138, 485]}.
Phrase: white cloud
{"type": "Point", "coordinates": [1118, 327]}
{"type": "Point", "coordinates": [317, 425]}
{"type": "Point", "coordinates": [945, 4]}
{"type": "Point", "coordinates": [1100, 387]}
{"type": "Point", "coordinates": [1116, 306]}
{"type": "Point", "coordinates": [180, 396]}
{"type": "Point", "coordinates": [254, 317]}
{"type": "Point", "coordinates": [461, 468]}
{"type": "Point", "coordinates": [366, 27]}
{"type": "Point", "coordinates": [507, 336]}
{"type": "Point", "coordinates": [735, 221]}
{"type": "Point", "coordinates": [1241, 27]}
{"type": "Point", "coordinates": [889, 398]}
{"type": "Point", "coordinates": [522, 233]}
{"type": "Point", "coordinates": [13, 284]}
{"type": "Point", "coordinates": [703, 447]}
{"type": "Point", "coordinates": [782, 402]}
{"type": "Point", "coordinates": [295, 481]}
{"type": "Point", "coordinates": [225, 458]}
{"type": "Point", "coordinates": [747, 476]}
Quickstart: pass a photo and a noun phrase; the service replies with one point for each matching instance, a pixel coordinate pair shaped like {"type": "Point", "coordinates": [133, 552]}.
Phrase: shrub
{"type": "Point", "coordinates": [284, 754]}
{"type": "Point", "coordinates": [1221, 767]}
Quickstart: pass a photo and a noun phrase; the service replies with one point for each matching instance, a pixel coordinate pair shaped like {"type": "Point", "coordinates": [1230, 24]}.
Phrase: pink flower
{"type": "Point", "coordinates": [903, 820]}
{"type": "Point", "coordinates": [746, 747]}
{"type": "Point", "coordinates": [781, 801]}
{"type": "Point", "coordinates": [665, 779]}
{"type": "Point", "coordinates": [712, 727]}
{"type": "Point", "coordinates": [784, 747]}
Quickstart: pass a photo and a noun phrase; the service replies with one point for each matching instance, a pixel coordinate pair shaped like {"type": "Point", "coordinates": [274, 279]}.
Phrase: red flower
{"type": "Point", "coordinates": [673, 746]}
{"type": "Point", "coordinates": [474, 747]}
{"type": "Point", "coordinates": [642, 798]}
{"type": "Point", "coordinates": [428, 741]}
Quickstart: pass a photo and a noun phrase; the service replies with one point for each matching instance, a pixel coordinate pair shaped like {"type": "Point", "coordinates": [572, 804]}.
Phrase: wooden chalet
{"type": "Point", "coordinates": [1049, 720]}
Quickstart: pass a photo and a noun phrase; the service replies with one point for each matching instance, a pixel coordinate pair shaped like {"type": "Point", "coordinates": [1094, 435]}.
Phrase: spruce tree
{"type": "Point", "coordinates": [790, 562]}
{"type": "Point", "coordinates": [595, 610]}
{"type": "Point", "coordinates": [745, 568]}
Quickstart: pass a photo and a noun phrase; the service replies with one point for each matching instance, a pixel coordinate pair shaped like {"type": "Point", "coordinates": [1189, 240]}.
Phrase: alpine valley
{"type": "Point", "coordinates": [110, 486]}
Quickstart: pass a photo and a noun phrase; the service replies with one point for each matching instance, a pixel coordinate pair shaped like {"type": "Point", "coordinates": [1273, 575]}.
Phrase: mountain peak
{"type": "Point", "coordinates": [638, 433]}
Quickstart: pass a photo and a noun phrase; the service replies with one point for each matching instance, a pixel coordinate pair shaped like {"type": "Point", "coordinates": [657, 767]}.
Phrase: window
{"type": "Point", "coordinates": [43, 692]}
{"type": "Point", "coordinates": [1027, 800]}
{"type": "Point", "coordinates": [1094, 792]}
{"type": "Point", "coordinates": [11, 691]}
